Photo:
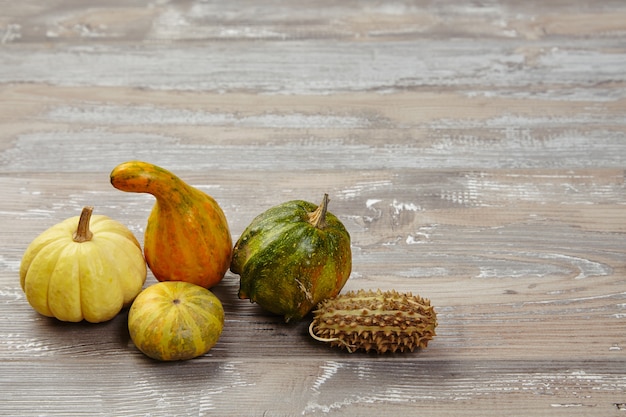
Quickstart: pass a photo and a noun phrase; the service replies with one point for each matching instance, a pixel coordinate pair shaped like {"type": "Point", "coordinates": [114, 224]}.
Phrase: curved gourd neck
{"type": "Point", "coordinates": [141, 177]}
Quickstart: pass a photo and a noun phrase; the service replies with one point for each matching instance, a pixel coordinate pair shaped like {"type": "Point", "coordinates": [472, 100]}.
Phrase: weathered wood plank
{"type": "Point", "coordinates": [318, 387]}
{"type": "Point", "coordinates": [305, 68]}
{"type": "Point", "coordinates": [351, 132]}
{"type": "Point", "coordinates": [474, 151]}
{"type": "Point", "coordinates": [69, 21]}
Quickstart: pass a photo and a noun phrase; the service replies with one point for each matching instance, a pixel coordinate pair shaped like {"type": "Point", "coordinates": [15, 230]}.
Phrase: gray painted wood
{"type": "Point", "coordinates": [475, 152]}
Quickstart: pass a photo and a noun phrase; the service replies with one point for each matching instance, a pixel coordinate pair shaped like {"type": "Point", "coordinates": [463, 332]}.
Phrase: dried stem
{"type": "Point", "coordinates": [83, 234]}
{"type": "Point", "coordinates": [318, 217]}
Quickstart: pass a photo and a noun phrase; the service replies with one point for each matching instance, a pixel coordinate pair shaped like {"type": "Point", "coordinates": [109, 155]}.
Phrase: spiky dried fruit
{"type": "Point", "coordinates": [378, 321]}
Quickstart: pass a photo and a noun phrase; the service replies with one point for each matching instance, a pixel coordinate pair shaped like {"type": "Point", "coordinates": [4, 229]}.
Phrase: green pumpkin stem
{"type": "Point", "coordinates": [83, 234]}
{"type": "Point", "coordinates": [318, 217]}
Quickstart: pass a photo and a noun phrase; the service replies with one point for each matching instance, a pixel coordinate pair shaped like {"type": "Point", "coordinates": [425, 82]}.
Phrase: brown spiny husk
{"type": "Point", "coordinates": [378, 321]}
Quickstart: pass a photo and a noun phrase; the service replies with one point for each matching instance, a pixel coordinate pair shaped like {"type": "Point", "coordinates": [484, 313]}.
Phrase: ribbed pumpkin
{"type": "Point", "coordinates": [291, 257]}
{"type": "Point", "coordinates": [175, 320]}
{"type": "Point", "coordinates": [187, 237]}
{"type": "Point", "coordinates": [84, 268]}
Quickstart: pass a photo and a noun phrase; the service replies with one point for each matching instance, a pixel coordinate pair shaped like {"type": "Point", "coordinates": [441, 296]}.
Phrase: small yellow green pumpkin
{"type": "Point", "coordinates": [175, 320]}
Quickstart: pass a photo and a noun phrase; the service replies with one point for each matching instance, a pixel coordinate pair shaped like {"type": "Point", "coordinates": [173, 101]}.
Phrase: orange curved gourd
{"type": "Point", "coordinates": [187, 237]}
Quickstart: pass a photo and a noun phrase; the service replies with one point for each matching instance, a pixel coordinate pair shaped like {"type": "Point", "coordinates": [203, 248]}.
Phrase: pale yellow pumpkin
{"type": "Point", "coordinates": [84, 268]}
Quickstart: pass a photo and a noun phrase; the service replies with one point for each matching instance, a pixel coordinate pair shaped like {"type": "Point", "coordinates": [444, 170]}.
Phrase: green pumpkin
{"type": "Point", "coordinates": [292, 257]}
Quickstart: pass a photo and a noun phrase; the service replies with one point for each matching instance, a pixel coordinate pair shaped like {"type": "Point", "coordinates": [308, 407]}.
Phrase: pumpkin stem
{"type": "Point", "coordinates": [83, 234]}
{"type": "Point", "coordinates": [318, 217]}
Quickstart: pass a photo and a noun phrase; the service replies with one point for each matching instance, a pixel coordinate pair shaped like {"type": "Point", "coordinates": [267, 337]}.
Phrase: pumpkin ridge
{"type": "Point", "coordinates": [269, 256]}
{"type": "Point", "coordinates": [168, 245]}
{"type": "Point", "coordinates": [113, 229]}
{"type": "Point", "coordinates": [37, 246]}
{"type": "Point", "coordinates": [57, 286]}
{"type": "Point", "coordinates": [152, 317]}
{"type": "Point", "coordinates": [153, 325]}
{"type": "Point", "coordinates": [281, 214]}
{"type": "Point", "coordinates": [206, 250]}
{"type": "Point", "coordinates": [189, 321]}
{"type": "Point", "coordinates": [33, 281]}
{"type": "Point", "coordinates": [199, 261]}
{"type": "Point", "coordinates": [272, 244]}
{"type": "Point", "coordinates": [124, 258]}
{"type": "Point", "coordinates": [165, 294]}
{"type": "Point", "coordinates": [178, 317]}
{"type": "Point", "coordinates": [101, 296]}
{"type": "Point", "coordinates": [197, 305]}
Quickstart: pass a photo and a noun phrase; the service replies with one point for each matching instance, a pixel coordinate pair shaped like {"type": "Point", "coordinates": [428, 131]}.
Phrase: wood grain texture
{"type": "Point", "coordinates": [474, 151]}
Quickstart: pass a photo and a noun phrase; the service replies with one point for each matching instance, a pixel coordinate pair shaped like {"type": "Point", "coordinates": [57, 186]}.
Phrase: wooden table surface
{"type": "Point", "coordinates": [475, 151]}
